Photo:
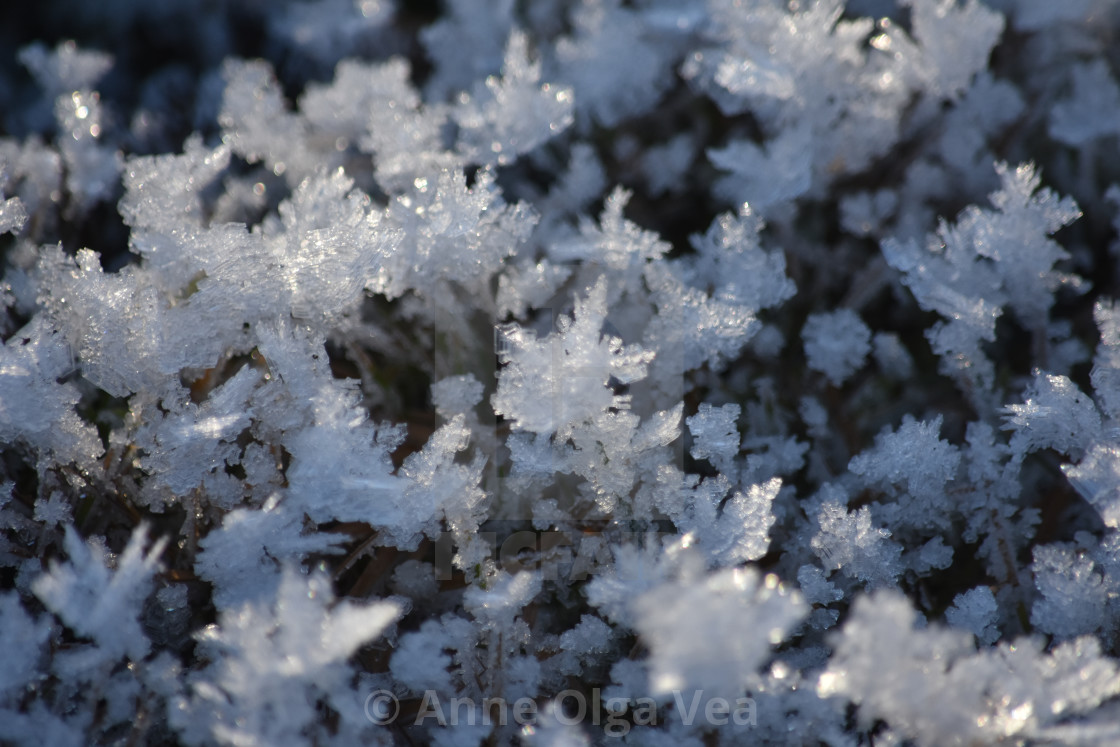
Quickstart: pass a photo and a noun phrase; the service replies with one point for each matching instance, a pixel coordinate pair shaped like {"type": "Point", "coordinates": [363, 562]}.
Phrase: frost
{"type": "Point", "coordinates": [12, 215]}
{"type": "Point", "coordinates": [1072, 598]}
{"type": "Point", "coordinates": [836, 344]}
{"type": "Point", "coordinates": [715, 436]}
{"type": "Point", "coordinates": [20, 646]}
{"type": "Point", "coordinates": [1016, 238]}
{"type": "Point", "coordinates": [466, 44]}
{"type": "Point", "coordinates": [742, 615]}
{"type": "Point", "coordinates": [590, 638]}
{"type": "Point", "coordinates": [419, 660]}
{"type": "Point", "coordinates": [451, 231]}
{"type": "Point", "coordinates": [847, 541]}
{"type": "Point", "coordinates": [956, 40]}
{"type": "Point", "coordinates": [273, 660]}
{"type": "Point", "coordinates": [551, 385]}
{"type": "Point", "coordinates": [513, 115]}
{"type": "Point", "coordinates": [92, 171]}
{"type": "Point", "coordinates": [620, 244]}
{"type": "Point", "coordinates": [912, 462]}
{"type": "Point", "coordinates": [67, 68]}
{"type": "Point", "coordinates": [329, 29]}
{"type": "Point", "coordinates": [891, 356]}
{"type": "Point", "coordinates": [752, 170]}
{"type": "Point", "coordinates": [34, 407]}
{"type": "Point", "coordinates": [989, 259]}
{"type": "Point", "coordinates": [619, 70]}
{"type": "Point", "coordinates": [192, 443]}
{"type": "Point", "coordinates": [732, 530]}
{"type": "Point", "coordinates": [1059, 417]}
{"type": "Point", "coordinates": [475, 304]}
{"type": "Point", "coordinates": [556, 730]}
{"type": "Point", "coordinates": [815, 587]}
{"type": "Point", "coordinates": [439, 486]}
{"type": "Point", "coordinates": [934, 554]}
{"type": "Point", "coordinates": [456, 395]}
{"type": "Point", "coordinates": [240, 558]}
{"type": "Point", "coordinates": [358, 96]}
{"type": "Point", "coordinates": [581, 183]}
{"type": "Point", "coordinates": [1092, 110]}
{"type": "Point", "coordinates": [100, 602]}
{"type": "Point", "coordinates": [636, 571]}
{"type": "Point", "coordinates": [162, 204]}
{"type": "Point", "coordinates": [939, 690]}
{"type": "Point", "coordinates": [53, 511]}
{"type": "Point", "coordinates": [1097, 478]}
{"type": "Point", "coordinates": [975, 610]}
{"type": "Point", "coordinates": [258, 124]}
{"type": "Point", "coordinates": [1105, 374]}
{"type": "Point", "coordinates": [731, 260]}
{"type": "Point", "coordinates": [693, 327]}
{"type": "Point", "coordinates": [324, 480]}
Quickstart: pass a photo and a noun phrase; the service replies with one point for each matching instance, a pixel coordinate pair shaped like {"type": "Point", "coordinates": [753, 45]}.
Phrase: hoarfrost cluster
{"type": "Point", "coordinates": [680, 372]}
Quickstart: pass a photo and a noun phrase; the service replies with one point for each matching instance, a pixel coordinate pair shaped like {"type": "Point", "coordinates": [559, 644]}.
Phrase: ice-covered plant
{"type": "Point", "coordinates": [667, 372]}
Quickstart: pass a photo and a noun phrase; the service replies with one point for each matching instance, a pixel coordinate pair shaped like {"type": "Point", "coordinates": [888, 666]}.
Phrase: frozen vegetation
{"type": "Point", "coordinates": [659, 372]}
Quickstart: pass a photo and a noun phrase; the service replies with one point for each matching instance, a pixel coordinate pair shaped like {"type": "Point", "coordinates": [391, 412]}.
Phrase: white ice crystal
{"type": "Point", "coordinates": [1105, 374]}
{"type": "Point", "coordinates": [20, 643]}
{"type": "Point", "coordinates": [12, 215]}
{"type": "Point", "coordinates": [240, 557]}
{"type": "Point", "coordinates": [847, 541]}
{"type": "Point", "coordinates": [551, 385]}
{"type": "Point", "coordinates": [512, 115]}
{"type": "Point", "coordinates": [451, 231]}
{"type": "Point", "coordinates": [328, 29]}
{"type": "Point", "coordinates": [194, 442]}
{"type": "Point", "coordinates": [1097, 478]}
{"type": "Point", "coordinates": [693, 328]}
{"type": "Point", "coordinates": [836, 344]}
{"type": "Point", "coordinates": [715, 435]}
{"type": "Point", "coordinates": [988, 259]}
{"type": "Point", "coordinates": [740, 613]}
{"type": "Point", "coordinates": [258, 124]}
{"type": "Point", "coordinates": [615, 449]}
{"type": "Point", "coordinates": [420, 661]}
{"type": "Point", "coordinates": [976, 610]}
{"type": "Point", "coordinates": [1016, 238]}
{"type": "Point", "coordinates": [612, 60]}
{"type": "Point", "coordinates": [466, 45]}
{"type": "Point", "coordinates": [438, 486]}
{"type": "Point", "coordinates": [730, 260]}
{"type": "Point", "coordinates": [912, 462]}
{"type": "Point", "coordinates": [456, 395]}
{"type": "Point", "coordinates": [100, 602]}
{"type": "Point", "coordinates": [940, 690]}
{"type": "Point", "coordinates": [1072, 596]}
{"type": "Point", "coordinates": [1058, 414]}
{"type": "Point", "coordinates": [34, 406]}
{"type": "Point", "coordinates": [756, 176]}
{"type": "Point", "coordinates": [92, 169]}
{"type": "Point", "coordinates": [327, 430]}
{"type": "Point", "coordinates": [67, 68]}
{"type": "Point", "coordinates": [956, 39]}
{"type": "Point", "coordinates": [272, 660]}
{"type": "Point", "coordinates": [637, 570]}
{"type": "Point", "coordinates": [1092, 110]}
